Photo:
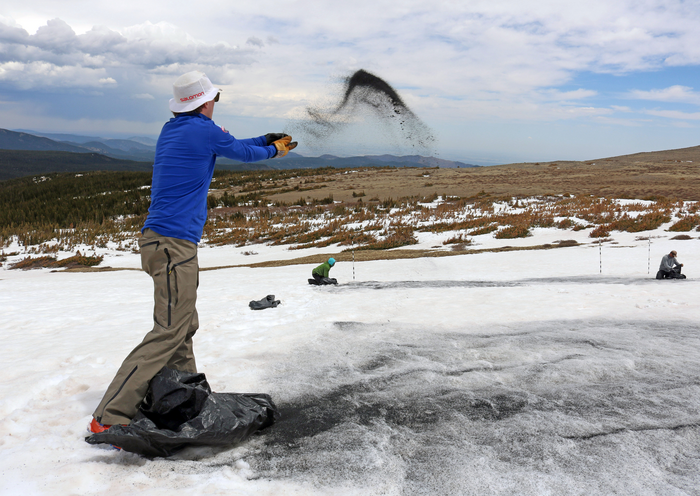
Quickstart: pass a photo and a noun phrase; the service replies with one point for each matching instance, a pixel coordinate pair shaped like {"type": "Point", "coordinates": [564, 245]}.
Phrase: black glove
{"type": "Point", "coordinates": [272, 137]}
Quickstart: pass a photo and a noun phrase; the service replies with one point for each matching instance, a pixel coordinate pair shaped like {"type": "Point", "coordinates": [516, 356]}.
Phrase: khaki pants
{"type": "Point", "coordinates": [173, 265]}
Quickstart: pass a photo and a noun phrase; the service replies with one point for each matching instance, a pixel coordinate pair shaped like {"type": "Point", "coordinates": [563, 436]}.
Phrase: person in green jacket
{"type": "Point", "coordinates": [320, 273]}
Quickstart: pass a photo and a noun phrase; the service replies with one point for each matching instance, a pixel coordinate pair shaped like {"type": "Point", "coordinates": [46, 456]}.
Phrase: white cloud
{"type": "Point", "coordinates": [675, 114]}
{"type": "Point", "coordinates": [677, 93]}
{"type": "Point", "coordinates": [510, 60]}
{"type": "Point", "coordinates": [8, 21]}
{"type": "Point", "coordinates": [255, 41]}
{"type": "Point", "coordinates": [477, 59]}
{"type": "Point", "coordinates": [508, 47]}
{"type": "Point", "coordinates": [684, 125]}
{"type": "Point", "coordinates": [140, 49]}
{"type": "Point", "coordinates": [56, 37]}
{"type": "Point", "coordinates": [579, 94]}
{"type": "Point", "coordinates": [44, 74]}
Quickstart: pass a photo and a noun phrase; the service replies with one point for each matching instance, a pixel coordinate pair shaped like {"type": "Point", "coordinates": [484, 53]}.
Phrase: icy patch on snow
{"type": "Point", "coordinates": [397, 409]}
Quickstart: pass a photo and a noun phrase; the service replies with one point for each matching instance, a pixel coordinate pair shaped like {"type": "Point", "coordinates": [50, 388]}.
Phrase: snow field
{"type": "Point", "coordinates": [521, 372]}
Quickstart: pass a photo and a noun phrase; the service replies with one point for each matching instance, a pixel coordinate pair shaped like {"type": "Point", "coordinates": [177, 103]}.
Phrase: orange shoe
{"type": "Point", "coordinates": [95, 427]}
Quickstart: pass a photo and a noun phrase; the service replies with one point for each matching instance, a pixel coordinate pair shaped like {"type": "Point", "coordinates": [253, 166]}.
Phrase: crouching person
{"type": "Point", "coordinates": [670, 268]}
{"type": "Point", "coordinates": [320, 273]}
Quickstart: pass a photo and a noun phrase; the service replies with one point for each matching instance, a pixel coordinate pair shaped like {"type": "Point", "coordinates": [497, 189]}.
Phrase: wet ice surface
{"type": "Point", "coordinates": [462, 375]}
{"type": "Point", "coordinates": [570, 407]}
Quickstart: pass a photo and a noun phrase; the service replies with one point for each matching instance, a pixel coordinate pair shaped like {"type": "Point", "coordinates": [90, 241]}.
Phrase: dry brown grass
{"type": "Point", "coordinates": [371, 255]}
{"type": "Point", "coordinates": [507, 200]}
{"type": "Point", "coordinates": [77, 261]}
{"type": "Point", "coordinates": [476, 201]}
{"type": "Point", "coordinates": [671, 174]}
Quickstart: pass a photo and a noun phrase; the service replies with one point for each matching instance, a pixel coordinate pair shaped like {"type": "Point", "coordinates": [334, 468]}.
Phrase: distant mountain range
{"type": "Point", "coordinates": [75, 138]}
{"type": "Point", "coordinates": [138, 153]}
{"type": "Point", "coordinates": [295, 161]}
{"type": "Point", "coordinates": [140, 149]}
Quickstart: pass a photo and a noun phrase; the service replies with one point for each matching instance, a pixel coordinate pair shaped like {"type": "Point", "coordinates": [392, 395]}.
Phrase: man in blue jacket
{"type": "Point", "coordinates": [184, 165]}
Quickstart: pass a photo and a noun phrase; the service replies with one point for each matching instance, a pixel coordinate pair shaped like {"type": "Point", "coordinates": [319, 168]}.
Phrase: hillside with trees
{"type": "Point", "coordinates": [21, 163]}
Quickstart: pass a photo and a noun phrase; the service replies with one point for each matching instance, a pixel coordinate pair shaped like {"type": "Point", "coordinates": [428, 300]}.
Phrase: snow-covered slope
{"type": "Point", "coordinates": [523, 372]}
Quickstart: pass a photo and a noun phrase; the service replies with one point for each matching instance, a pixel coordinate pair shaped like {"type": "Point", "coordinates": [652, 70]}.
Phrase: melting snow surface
{"type": "Point", "coordinates": [522, 372]}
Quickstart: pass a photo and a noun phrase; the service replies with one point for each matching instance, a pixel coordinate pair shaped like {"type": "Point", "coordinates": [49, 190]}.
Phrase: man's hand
{"type": "Point", "coordinates": [284, 145]}
{"type": "Point", "coordinates": [272, 137]}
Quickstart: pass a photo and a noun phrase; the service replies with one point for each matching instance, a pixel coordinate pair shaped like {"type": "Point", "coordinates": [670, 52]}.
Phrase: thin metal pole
{"type": "Point", "coordinates": [600, 255]}
{"type": "Point", "coordinates": [649, 258]}
{"type": "Point", "coordinates": [353, 260]}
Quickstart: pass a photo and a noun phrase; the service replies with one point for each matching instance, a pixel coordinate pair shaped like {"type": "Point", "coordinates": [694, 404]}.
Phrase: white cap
{"type": "Point", "coordinates": [192, 90]}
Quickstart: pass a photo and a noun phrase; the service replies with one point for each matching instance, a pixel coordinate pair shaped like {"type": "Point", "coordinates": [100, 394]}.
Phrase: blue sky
{"type": "Point", "coordinates": [496, 81]}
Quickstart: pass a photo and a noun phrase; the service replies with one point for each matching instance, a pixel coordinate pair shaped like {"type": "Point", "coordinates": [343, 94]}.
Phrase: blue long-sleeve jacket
{"type": "Point", "coordinates": [184, 165]}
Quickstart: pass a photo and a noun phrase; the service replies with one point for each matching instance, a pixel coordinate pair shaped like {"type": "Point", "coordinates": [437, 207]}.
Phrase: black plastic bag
{"type": "Point", "coordinates": [180, 410]}
{"type": "Point", "coordinates": [267, 302]}
{"type": "Point", "coordinates": [174, 397]}
{"type": "Point", "coordinates": [323, 281]}
{"type": "Point", "coordinates": [670, 274]}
